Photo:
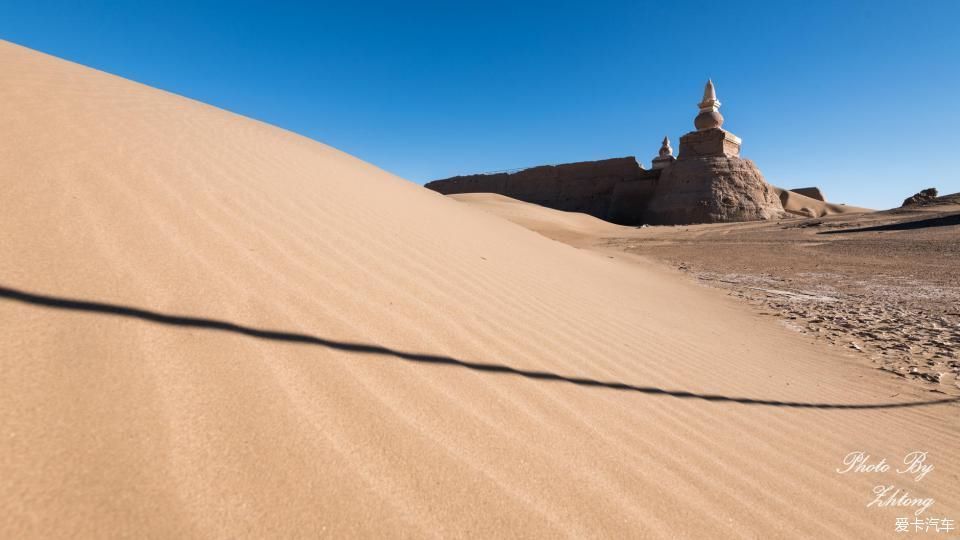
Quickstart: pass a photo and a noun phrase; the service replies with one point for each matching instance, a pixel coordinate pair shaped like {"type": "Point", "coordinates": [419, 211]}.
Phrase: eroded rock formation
{"type": "Point", "coordinates": [712, 189]}
{"type": "Point", "coordinates": [925, 196]}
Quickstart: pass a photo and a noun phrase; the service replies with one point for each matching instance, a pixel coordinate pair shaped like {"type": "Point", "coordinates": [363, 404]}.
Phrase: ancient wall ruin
{"type": "Point", "coordinates": [812, 192]}
{"type": "Point", "coordinates": [616, 190]}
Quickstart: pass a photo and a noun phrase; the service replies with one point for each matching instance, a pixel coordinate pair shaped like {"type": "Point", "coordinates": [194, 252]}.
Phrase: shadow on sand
{"type": "Point", "coordinates": [364, 348]}
{"type": "Point", "coordinates": [942, 221]}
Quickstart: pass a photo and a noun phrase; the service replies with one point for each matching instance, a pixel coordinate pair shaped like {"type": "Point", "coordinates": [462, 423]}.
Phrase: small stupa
{"type": "Point", "coordinates": [709, 182]}
{"type": "Point", "coordinates": [665, 156]}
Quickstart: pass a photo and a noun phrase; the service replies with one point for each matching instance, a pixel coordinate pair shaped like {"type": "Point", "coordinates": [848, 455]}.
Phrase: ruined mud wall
{"type": "Point", "coordinates": [812, 192]}
{"type": "Point", "coordinates": [712, 189]}
{"type": "Point", "coordinates": [617, 189]}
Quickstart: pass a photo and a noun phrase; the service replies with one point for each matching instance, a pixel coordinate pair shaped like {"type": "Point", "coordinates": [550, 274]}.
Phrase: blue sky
{"type": "Point", "coordinates": [859, 98]}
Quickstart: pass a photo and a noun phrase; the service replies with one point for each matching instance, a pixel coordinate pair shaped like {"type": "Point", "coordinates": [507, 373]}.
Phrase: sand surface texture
{"type": "Point", "coordinates": [803, 206]}
{"type": "Point", "coordinates": [883, 286]}
{"type": "Point", "coordinates": [211, 327]}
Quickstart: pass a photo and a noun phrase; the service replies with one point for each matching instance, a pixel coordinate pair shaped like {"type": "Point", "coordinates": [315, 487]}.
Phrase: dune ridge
{"type": "Point", "coordinates": [114, 193]}
{"type": "Point", "coordinates": [568, 227]}
{"type": "Point", "coordinates": [803, 206]}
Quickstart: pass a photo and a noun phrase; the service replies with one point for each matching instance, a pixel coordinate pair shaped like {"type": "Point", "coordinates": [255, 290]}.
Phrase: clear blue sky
{"type": "Point", "coordinates": [860, 98]}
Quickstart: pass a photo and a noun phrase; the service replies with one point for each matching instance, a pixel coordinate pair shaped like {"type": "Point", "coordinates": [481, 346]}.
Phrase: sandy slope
{"type": "Point", "coordinates": [210, 327]}
{"type": "Point", "coordinates": [568, 227]}
{"type": "Point", "coordinates": [883, 286]}
{"type": "Point", "coordinates": [804, 206]}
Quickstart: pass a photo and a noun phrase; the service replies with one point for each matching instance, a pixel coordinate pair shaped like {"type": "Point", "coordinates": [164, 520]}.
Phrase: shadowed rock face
{"type": "Point", "coordinates": [812, 192]}
{"type": "Point", "coordinates": [924, 197]}
{"type": "Point", "coordinates": [710, 190]}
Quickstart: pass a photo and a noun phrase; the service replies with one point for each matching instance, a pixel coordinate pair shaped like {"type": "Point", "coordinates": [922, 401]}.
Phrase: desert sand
{"type": "Point", "coordinates": [803, 206]}
{"type": "Point", "coordinates": [215, 328]}
{"type": "Point", "coordinates": [882, 284]}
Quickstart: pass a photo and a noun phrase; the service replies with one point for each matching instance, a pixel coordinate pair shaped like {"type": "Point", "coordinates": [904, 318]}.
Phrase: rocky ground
{"type": "Point", "coordinates": [884, 285]}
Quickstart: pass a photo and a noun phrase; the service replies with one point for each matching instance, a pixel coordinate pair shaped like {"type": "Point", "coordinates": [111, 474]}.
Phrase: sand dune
{"type": "Point", "coordinates": [568, 227]}
{"type": "Point", "coordinates": [212, 327]}
{"type": "Point", "coordinates": [804, 206]}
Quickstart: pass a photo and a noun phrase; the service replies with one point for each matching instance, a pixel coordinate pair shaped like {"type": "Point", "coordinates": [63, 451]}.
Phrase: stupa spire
{"type": "Point", "coordinates": [709, 116]}
{"type": "Point", "coordinates": [709, 96]}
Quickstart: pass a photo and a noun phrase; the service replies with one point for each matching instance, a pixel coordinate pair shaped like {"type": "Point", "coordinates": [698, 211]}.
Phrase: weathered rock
{"type": "Point", "coordinates": [712, 189]}
{"type": "Point", "coordinates": [925, 196]}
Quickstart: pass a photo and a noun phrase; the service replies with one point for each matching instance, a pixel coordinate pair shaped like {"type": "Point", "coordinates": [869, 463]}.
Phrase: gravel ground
{"type": "Point", "coordinates": [885, 285]}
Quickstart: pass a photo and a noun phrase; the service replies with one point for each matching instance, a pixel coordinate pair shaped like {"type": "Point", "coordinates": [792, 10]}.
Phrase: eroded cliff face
{"type": "Point", "coordinates": [712, 189]}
